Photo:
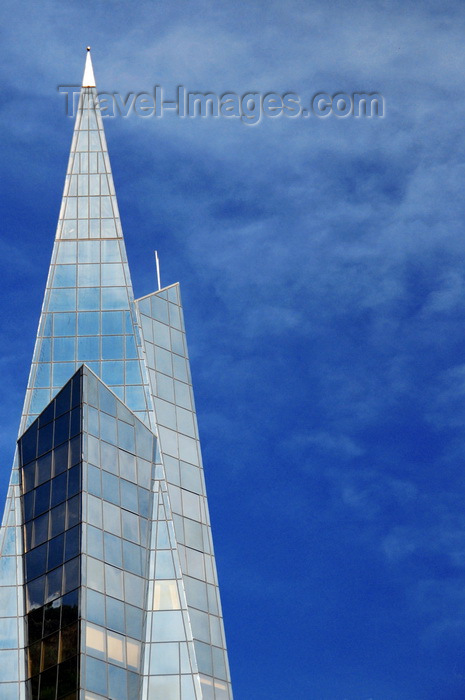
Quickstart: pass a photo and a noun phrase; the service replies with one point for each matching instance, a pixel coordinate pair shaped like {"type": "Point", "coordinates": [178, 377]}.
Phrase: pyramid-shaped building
{"type": "Point", "coordinates": [108, 585]}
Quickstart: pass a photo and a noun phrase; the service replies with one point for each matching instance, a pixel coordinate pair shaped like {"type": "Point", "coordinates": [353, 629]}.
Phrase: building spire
{"type": "Point", "coordinates": [88, 80]}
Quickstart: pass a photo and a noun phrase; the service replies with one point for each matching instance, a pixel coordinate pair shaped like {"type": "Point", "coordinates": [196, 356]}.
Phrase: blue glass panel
{"type": "Point", "coordinates": [131, 348]}
{"type": "Point", "coordinates": [89, 251]}
{"type": "Point", "coordinates": [113, 553]}
{"type": "Point", "coordinates": [117, 683]}
{"type": "Point", "coordinates": [113, 275]}
{"type": "Point", "coordinates": [107, 401]}
{"type": "Point", "coordinates": [114, 298]}
{"type": "Point", "coordinates": [129, 496]}
{"type": "Point", "coordinates": [8, 632]}
{"type": "Point", "coordinates": [133, 375]}
{"type": "Point", "coordinates": [64, 324]}
{"type": "Point", "coordinates": [96, 674]}
{"type": "Point", "coordinates": [43, 375]}
{"type": "Point", "coordinates": [39, 399]}
{"type": "Point", "coordinates": [89, 299]}
{"type": "Point", "coordinates": [8, 666]}
{"type": "Point", "coordinates": [110, 251]}
{"type": "Point", "coordinates": [63, 349]}
{"type": "Point", "coordinates": [168, 626]}
{"type": "Point", "coordinates": [108, 228]}
{"type": "Point", "coordinates": [108, 428]}
{"type": "Point", "coordinates": [164, 659]}
{"type": "Point", "coordinates": [126, 437]}
{"type": "Point", "coordinates": [113, 372]}
{"type": "Point", "coordinates": [112, 347]}
{"type": "Point", "coordinates": [112, 322]}
{"type": "Point", "coordinates": [47, 324]}
{"type": "Point", "coordinates": [88, 348]}
{"type": "Point", "coordinates": [45, 354]}
{"type": "Point", "coordinates": [62, 300]}
{"type": "Point", "coordinates": [89, 275]}
{"type": "Point", "coordinates": [62, 371]}
{"type": "Point", "coordinates": [65, 276]}
{"type": "Point", "coordinates": [115, 615]}
{"type": "Point", "coordinates": [66, 252]}
{"type": "Point", "coordinates": [93, 480]}
{"type": "Point", "coordinates": [204, 657]}
{"type": "Point", "coordinates": [95, 545]}
{"type": "Point", "coordinates": [8, 598]}
{"type": "Point", "coordinates": [135, 398]}
{"type": "Point", "coordinates": [88, 323]}
{"type": "Point", "coordinates": [132, 558]}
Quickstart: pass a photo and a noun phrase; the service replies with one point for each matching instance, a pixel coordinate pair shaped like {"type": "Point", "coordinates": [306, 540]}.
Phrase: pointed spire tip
{"type": "Point", "coordinates": [88, 80]}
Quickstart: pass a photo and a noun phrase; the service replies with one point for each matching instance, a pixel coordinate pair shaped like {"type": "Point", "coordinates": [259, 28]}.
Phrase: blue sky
{"type": "Point", "coordinates": [322, 271]}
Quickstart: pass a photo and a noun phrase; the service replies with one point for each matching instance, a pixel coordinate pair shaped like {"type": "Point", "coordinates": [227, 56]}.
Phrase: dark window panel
{"type": "Point", "coordinates": [75, 450]}
{"type": "Point", "coordinates": [36, 560]}
{"type": "Point", "coordinates": [28, 505]}
{"type": "Point", "coordinates": [33, 658]}
{"type": "Point", "coordinates": [63, 400]}
{"type": "Point", "coordinates": [72, 574]}
{"type": "Point", "coordinates": [76, 395]}
{"type": "Point", "coordinates": [28, 476]}
{"type": "Point", "coordinates": [61, 430]}
{"type": "Point", "coordinates": [58, 489]}
{"type": "Point", "coordinates": [67, 676]}
{"type": "Point", "coordinates": [44, 468]}
{"type": "Point", "coordinates": [48, 681]}
{"type": "Point", "coordinates": [47, 415]}
{"type": "Point", "coordinates": [42, 501]}
{"type": "Point", "coordinates": [57, 519]}
{"type": "Point", "coordinates": [50, 651]}
{"type": "Point", "coordinates": [70, 607]}
{"type": "Point", "coordinates": [45, 439]}
{"type": "Point", "coordinates": [34, 687]}
{"type": "Point", "coordinates": [74, 511]}
{"type": "Point", "coordinates": [52, 615]}
{"type": "Point", "coordinates": [69, 641]}
{"type": "Point", "coordinates": [29, 531]}
{"type": "Point", "coordinates": [55, 552]}
{"type": "Point", "coordinates": [34, 626]}
{"type": "Point", "coordinates": [60, 459]}
{"type": "Point", "coordinates": [35, 593]}
{"type": "Point", "coordinates": [74, 480]}
{"type": "Point", "coordinates": [73, 542]}
{"type": "Point", "coordinates": [75, 426]}
{"type": "Point", "coordinates": [54, 584]}
{"type": "Point", "coordinates": [40, 529]}
{"type": "Point", "coordinates": [28, 444]}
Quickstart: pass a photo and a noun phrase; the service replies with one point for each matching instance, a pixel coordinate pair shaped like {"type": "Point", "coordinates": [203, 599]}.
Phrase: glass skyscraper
{"type": "Point", "coordinates": [108, 585]}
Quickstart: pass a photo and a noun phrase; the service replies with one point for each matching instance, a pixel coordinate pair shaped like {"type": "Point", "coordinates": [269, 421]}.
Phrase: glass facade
{"type": "Point", "coordinates": [108, 584]}
{"type": "Point", "coordinates": [167, 361]}
{"type": "Point", "coordinates": [50, 454]}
